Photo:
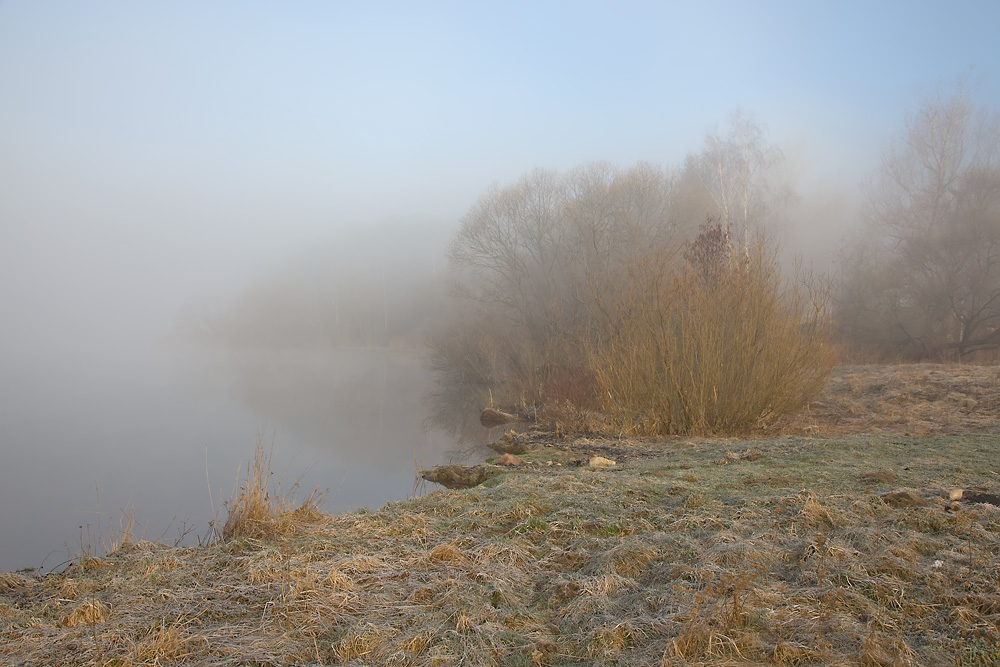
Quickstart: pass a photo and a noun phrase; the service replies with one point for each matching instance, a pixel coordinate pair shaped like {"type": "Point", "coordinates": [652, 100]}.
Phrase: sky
{"type": "Point", "coordinates": [151, 153]}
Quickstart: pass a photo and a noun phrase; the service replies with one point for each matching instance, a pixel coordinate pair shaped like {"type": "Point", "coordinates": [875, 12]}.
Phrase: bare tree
{"type": "Point", "coordinates": [537, 254]}
{"type": "Point", "coordinates": [926, 277]}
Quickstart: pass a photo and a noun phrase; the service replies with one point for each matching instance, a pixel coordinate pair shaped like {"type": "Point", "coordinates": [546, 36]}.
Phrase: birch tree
{"type": "Point", "coordinates": [739, 171]}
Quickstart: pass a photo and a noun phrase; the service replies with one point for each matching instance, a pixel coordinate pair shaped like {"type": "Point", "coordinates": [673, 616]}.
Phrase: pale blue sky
{"type": "Point", "coordinates": [149, 151]}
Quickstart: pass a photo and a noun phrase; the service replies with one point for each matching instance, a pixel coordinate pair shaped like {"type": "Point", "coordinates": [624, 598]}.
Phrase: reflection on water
{"type": "Point", "coordinates": [166, 430]}
{"type": "Point", "coordinates": [368, 406]}
{"type": "Point", "coordinates": [453, 407]}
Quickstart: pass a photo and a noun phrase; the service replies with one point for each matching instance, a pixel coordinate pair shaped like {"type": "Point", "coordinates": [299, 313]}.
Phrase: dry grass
{"type": "Point", "coordinates": [786, 557]}
{"type": "Point", "coordinates": [90, 546]}
{"type": "Point", "coordinates": [90, 612]}
{"type": "Point", "coordinates": [258, 512]}
{"type": "Point", "coordinates": [913, 399]}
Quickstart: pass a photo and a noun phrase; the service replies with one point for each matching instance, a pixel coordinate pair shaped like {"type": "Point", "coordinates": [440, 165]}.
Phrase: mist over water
{"type": "Point", "coordinates": [125, 374]}
{"type": "Point", "coordinates": [109, 404]}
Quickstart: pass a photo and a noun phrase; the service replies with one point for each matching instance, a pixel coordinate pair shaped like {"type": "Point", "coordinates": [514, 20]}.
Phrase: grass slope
{"type": "Point", "coordinates": [715, 552]}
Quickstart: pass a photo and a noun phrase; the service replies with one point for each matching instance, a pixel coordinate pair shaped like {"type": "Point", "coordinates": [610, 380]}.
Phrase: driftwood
{"type": "Point", "coordinates": [491, 417]}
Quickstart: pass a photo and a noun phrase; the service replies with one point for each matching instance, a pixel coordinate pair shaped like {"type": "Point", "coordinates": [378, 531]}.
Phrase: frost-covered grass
{"type": "Point", "coordinates": [716, 552]}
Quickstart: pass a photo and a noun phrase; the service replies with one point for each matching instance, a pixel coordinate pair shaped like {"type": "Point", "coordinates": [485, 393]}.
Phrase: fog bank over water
{"type": "Point", "coordinates": [124, 394]}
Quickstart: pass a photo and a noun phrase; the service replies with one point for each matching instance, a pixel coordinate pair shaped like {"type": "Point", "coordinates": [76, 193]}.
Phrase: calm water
{"type": "Point", "coordinates": [154, 427]}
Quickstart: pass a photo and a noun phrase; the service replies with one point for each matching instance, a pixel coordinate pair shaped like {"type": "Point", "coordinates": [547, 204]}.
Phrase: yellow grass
{"type": "Point", "coordinates": [257, 511]}
{"type": "Point", "coordinates": [88, 613]}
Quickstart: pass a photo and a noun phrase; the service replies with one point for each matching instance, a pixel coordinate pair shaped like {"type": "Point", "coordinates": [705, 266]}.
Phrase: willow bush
{"type": "Point", "coordinates": [719, 343]}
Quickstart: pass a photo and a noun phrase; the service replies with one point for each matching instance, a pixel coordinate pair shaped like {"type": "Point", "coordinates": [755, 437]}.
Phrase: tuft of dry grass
{"type": "Point", "coordinates": [257, 512]}
{"type": "Point", "coordinates": [89, 547]}
{"type": "Point", "coordinates": [90, 612]}
{"type": "Point", "coordinates": [11, 582]}
{"type": "Point", "coordinates": [161, 644]}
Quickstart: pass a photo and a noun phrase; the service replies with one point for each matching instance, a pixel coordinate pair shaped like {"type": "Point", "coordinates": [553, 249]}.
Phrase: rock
{"type": "Point", "coordinates": [981, 497]}
{"type": "Point", "coordinates": [491, 417]}
{"type": "Point", "coordinates": [510, 460]}
{"type": "Point", "coordinates": [903, 498]}
{"type": "Point", "coordinates": [601, 462]}
{"type": "Point", "coordinates": [458, 477]}
{"type": "Point", "coordinates": [952, 494]}
{"type": "Point", "coordinates": [510, 443]}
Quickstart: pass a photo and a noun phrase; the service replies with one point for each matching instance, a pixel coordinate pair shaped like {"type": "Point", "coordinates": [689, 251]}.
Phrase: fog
{"type": "Point", "coordinates": [229, 220]}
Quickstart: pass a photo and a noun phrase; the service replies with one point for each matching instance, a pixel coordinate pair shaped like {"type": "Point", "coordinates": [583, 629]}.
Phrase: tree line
{"type": "Point", "coordinates": [644, 300]}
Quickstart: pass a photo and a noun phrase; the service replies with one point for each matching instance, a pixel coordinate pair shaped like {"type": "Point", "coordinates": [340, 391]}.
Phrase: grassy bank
{"type": "Point", "coordinates": [776, 551]}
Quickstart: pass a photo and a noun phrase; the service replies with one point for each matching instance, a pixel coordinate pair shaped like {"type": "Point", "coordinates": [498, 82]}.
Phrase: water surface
{"type": "Point", "coordinates": [166, 429]}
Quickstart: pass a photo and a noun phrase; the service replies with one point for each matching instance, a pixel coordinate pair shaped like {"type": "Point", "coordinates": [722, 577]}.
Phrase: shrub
{"type": "Point", "coordinates": [717, 344]}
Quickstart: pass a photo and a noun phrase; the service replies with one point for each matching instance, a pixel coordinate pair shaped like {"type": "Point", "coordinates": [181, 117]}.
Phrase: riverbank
{"type": "Point", "coordinates": [798, 549]}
